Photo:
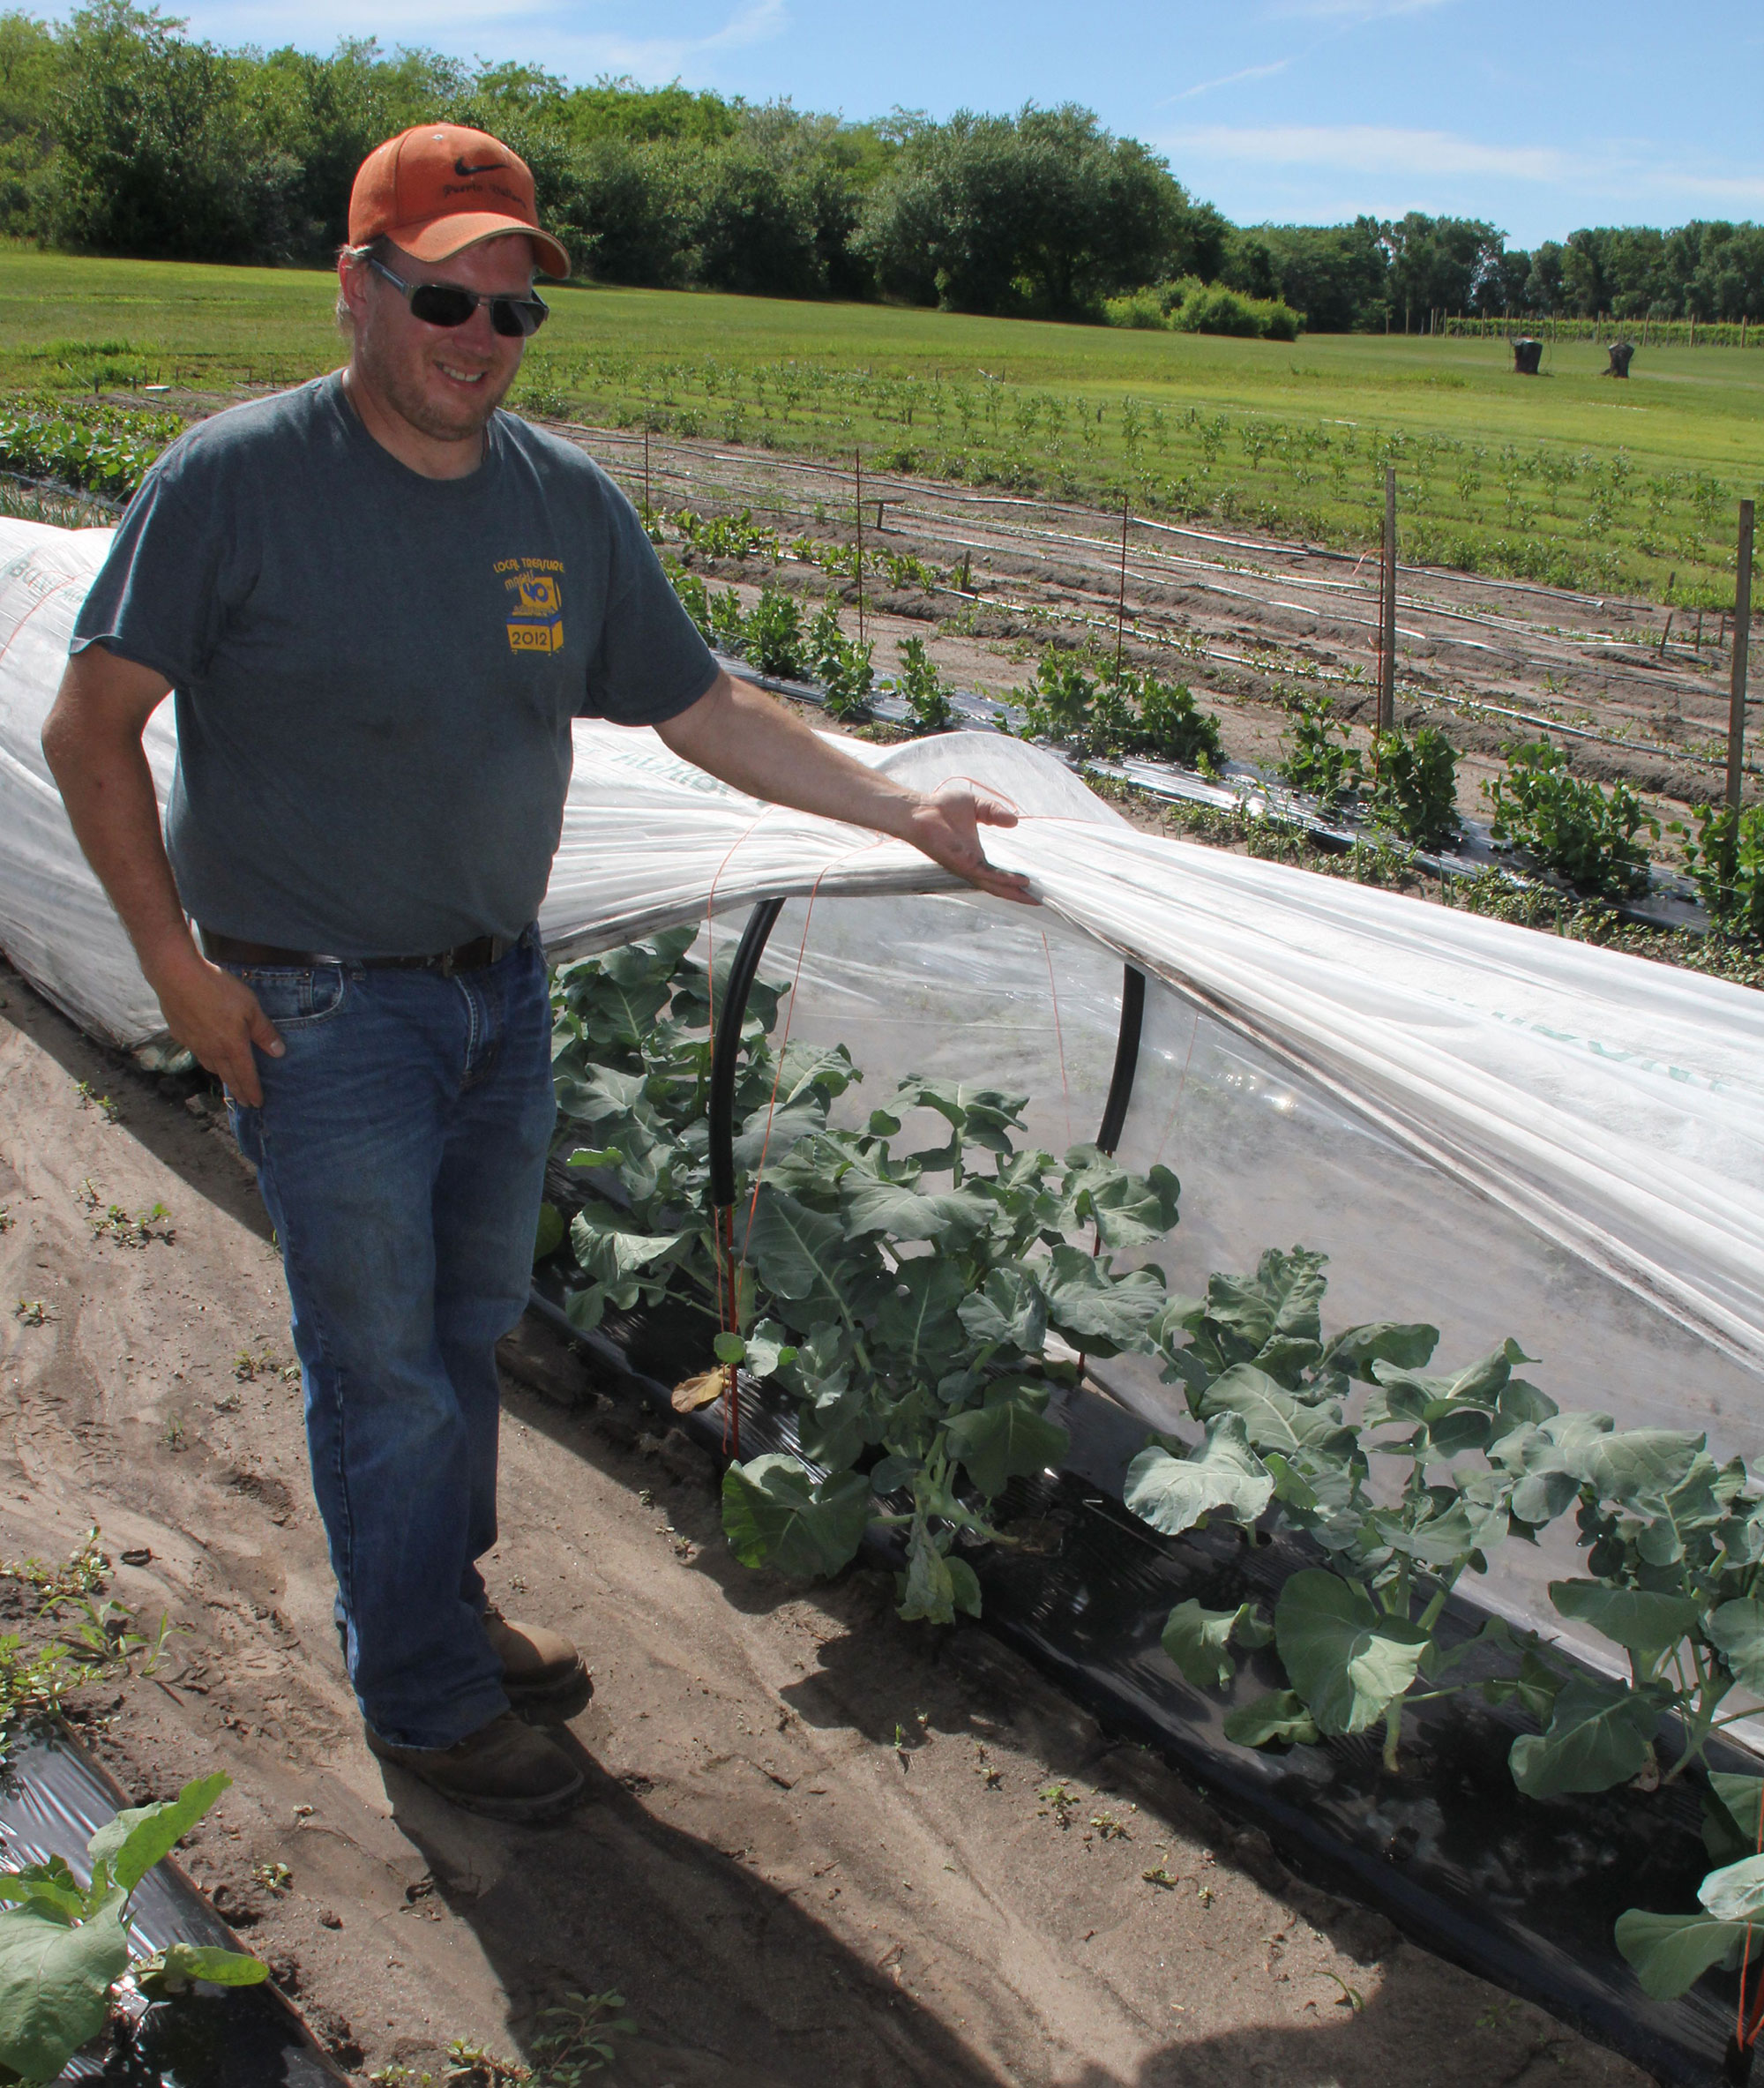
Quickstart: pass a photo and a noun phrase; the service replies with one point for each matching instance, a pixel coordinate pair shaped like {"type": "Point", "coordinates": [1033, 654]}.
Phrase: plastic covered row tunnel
{"type": "Point", "coordinates": [1493, 1132]}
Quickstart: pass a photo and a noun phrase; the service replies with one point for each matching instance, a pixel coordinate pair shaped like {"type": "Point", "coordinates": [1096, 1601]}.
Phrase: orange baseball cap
{"type": "Point", "coordinates": [440, 188]}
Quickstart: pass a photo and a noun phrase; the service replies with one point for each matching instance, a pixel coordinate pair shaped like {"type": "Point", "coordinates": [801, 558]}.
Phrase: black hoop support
{"type": "Point", "coordinates": [732, 1016]}
{"type": "Point", "coordinates": [726, 1047]}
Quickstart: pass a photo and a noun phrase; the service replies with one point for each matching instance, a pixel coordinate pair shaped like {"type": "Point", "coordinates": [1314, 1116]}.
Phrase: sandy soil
{"type": "Point", "coordinates": [819, 1847]}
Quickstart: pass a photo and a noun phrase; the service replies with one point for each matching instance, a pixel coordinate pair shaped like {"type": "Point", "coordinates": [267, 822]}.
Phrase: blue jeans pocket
{"type": "Point", "coordinates": [291, 997]}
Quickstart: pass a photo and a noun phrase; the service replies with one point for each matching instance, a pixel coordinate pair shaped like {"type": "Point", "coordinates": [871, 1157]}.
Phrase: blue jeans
{"type": "Point", "coordinates": [400, 1151]}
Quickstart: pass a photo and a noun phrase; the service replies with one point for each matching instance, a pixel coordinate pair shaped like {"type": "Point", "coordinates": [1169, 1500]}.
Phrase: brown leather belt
{"type": "Point", "coordinates": [483, 950]}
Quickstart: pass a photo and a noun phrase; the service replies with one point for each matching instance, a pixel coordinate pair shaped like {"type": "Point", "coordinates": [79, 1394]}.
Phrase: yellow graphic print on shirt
{"type": "Point", "coordinates": [536, 608]}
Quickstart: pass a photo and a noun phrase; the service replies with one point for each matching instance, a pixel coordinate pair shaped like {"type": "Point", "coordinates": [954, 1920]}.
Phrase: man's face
{"type": "Point", "coordinates": [445, 381]}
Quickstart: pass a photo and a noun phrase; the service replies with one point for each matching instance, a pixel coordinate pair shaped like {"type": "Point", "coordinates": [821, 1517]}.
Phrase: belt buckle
{"type": "Point", "coordinates": [444, 964]}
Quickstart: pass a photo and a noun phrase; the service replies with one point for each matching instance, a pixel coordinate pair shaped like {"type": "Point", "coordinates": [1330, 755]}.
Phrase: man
{"type": "Point", "coordinates": [380, 601]}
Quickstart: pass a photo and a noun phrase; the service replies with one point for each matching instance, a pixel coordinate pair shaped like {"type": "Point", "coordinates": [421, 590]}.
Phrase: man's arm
{"type": "Point", "coordinates": [91, 741]}
{"type": "Point", "coordinates": [739, 735]}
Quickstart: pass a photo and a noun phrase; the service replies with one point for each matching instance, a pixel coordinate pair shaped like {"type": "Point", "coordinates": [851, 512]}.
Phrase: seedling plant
{"type": "Point", "coordinates": [925, 693]}
{"type": "Point", "coordinates": [1120, 712]}
{"type": "Point", "coordinates": [1726, 863]}
{"type": "Point", "coordinates": [1566, 823]}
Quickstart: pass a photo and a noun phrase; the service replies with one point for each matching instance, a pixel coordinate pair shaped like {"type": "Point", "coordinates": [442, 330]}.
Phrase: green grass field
{"type": "Point", "coordinates": [1570, 477]}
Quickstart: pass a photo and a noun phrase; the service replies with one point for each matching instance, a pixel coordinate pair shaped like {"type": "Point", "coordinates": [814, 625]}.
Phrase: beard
{"type": "Point", "coordinates": [400, 379]}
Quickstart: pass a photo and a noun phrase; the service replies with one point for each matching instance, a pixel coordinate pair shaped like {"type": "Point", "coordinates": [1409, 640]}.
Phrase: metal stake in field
{"type": "Point", "coordinates": [1742, 632]}
{"type": "Point", "coordinates": [858, 455]}
{"type": "Point", "coordinates": [1121, 599]}
{"type": "Point", "coordinates": [1387, 693]}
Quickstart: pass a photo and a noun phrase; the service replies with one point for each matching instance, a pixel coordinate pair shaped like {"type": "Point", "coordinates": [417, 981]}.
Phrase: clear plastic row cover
{"type": "Point", "coordinates": [986, 995]}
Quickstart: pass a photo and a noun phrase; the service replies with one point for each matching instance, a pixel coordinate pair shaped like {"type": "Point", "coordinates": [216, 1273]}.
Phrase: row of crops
{"type": "Point", "coordinates": [1545, 511]}
{"type": "Point", "coordinates": [1402, 786]}
{"type": "Point", "coordinates": [82, 444]}
{"type": "Point", "coordinates": [1551, 512]}
{"type": "Point", "coordinates": [904, 1297]}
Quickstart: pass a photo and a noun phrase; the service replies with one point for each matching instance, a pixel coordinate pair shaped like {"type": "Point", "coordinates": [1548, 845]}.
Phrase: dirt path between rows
{"type": "Point", "coordinates": [1249, 621]}
{"type": "Point", "coordinates": [820, 1850]}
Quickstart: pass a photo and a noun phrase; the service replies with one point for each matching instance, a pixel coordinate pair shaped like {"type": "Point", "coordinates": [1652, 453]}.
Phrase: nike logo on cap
{"type": "Point", "coordinates": [490, 167]}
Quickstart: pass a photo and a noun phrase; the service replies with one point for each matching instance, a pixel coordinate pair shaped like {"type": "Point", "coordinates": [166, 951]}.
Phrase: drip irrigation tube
{"type": "Point", "coordinates": [1269, 548]}
{"type": "Point", "coordinates": [54, 1798]}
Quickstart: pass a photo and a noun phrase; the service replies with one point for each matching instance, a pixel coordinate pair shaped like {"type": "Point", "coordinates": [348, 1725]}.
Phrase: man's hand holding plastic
{"type": "Point", "coordinates": [741, 736]}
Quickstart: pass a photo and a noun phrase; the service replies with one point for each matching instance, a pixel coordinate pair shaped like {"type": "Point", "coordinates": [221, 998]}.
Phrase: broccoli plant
{"type": "Point", "coordinates": [63, 1946]}
{"type": "Point", "coordinates": [1675, 1545]}
{"type": "Point", "coordinates": [919, 1291]}
{"type": "Point", "coordinates": [1675, 1541]}
{"type": "Point", "coordinates": [1671, 1952]}
{"type": "Point", "coordinates": [905, 1298]}
{"type": "Point", "coordinates": [1357, 1637]}
{"type": "Point", "coordinates": [631, 1067]}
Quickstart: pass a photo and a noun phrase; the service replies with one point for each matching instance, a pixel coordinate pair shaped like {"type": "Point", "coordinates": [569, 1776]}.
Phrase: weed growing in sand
{"type": "Point", "coordinates": [1058, 1801]}
{"type": "Point", "coordinates": [90, 1099]}
{"type": "Point", "coordinates": [471, 2066]}
{"type": "Point", "coordinates": [83, 1574]}
{"type": "Point", "coordinates": [116, 1223]}
{"type": "Point", "coordinates": [96, 1640]}
{"type": "Point", "coordinates": [581, 2042]}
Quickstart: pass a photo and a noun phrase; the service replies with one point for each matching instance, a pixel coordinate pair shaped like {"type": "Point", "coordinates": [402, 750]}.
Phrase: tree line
{"type": "Point", "coordinates": [121, 135]}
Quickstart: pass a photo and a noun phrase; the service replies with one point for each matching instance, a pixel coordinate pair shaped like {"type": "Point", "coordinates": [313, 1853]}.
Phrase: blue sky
{"type": "Point", "coordinates": [1541, 115]}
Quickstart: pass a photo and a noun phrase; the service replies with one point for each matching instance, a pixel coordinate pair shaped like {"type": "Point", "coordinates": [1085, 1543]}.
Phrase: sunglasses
{"type": "Point", "coordinates": [450, 304]}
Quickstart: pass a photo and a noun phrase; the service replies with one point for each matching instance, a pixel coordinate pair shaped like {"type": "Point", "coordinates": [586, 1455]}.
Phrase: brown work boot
{"type": "Point", "coordinates": [544, 1675]}
{"type": "Point", "coordinates": [503, 1769]}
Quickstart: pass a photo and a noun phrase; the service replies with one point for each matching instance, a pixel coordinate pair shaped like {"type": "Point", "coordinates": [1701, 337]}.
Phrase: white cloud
{"type": "Point", "coordinates": [1231, 79]}
{"type": "Point", "coordinates": [578, 54]}
{"type": "Point", "coordinates": [1622, 172]}
{"type": "Point", "coordinates": [1349, 12]}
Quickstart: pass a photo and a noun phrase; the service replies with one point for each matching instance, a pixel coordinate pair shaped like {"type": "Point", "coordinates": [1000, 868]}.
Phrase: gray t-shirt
{"type": "Point", "coordinates": [375, 672]}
